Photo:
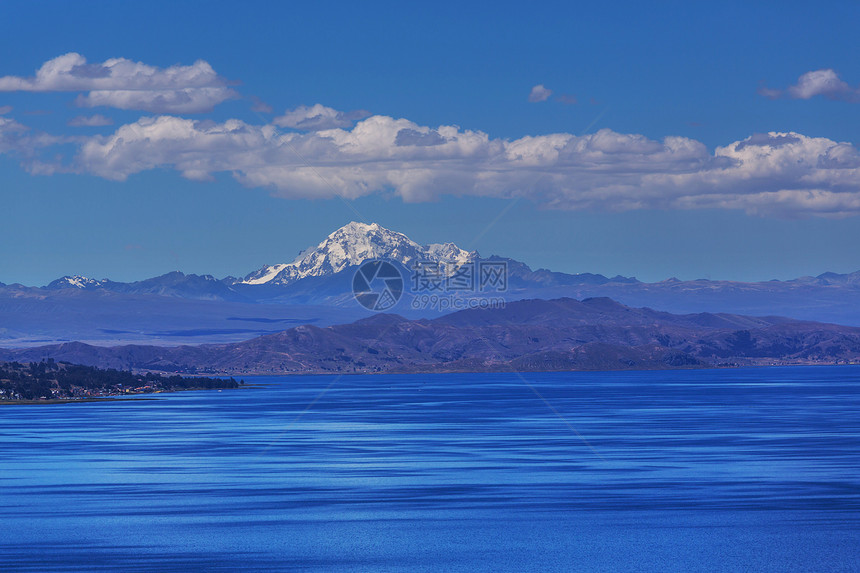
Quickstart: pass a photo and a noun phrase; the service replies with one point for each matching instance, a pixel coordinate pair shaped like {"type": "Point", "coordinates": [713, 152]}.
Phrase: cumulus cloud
{"type": "Point", "coordinates": [824, 82]}
{"type": "Point", "coordinates": [420, 137]}
{"type": "Point", "coordinates": [779, 173]}
{"type": "Point", "coordinates": [318, 117]}
{"type": "Point", "coordinates": [125, 84]}
{"type": "Point", "coordinates": [189, 100]}
{"type": "Point", "coordinates": [539, 93]}
{"type": "Point", "coordinates": [96, 120]}
{"type": "Point", "coordinates": [786, 174]}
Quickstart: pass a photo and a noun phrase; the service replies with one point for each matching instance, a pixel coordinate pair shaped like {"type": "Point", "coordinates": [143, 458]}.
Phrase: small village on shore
{"type": "Point", "coordinates": [50, 381]}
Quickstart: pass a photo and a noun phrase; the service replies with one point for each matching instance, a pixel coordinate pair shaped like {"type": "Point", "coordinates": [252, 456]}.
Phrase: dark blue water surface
{"type": "Point", "coordinates": [721, 470]}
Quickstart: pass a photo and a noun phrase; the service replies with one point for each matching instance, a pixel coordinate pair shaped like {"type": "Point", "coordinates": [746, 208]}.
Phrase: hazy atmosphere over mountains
{"type": "Point", "coordinates": [532, 335]}
{"type": "Point", "coordinates": [316, 288]}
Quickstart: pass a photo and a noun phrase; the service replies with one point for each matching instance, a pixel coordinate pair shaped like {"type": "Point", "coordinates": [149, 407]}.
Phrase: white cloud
{"type": "Point", "coordinates": [820, 82]}
{"type": "Point", "coordinates": [4, 109]}
{"type": "Point", "coordinates": [786, 174]}
{"type": "Point", "coordinates": [318, 117]}
{"type": "Point", "coordinates": [96, 120]}
{"type": "Point", "coordinates": [125, 84]}
{"type": "Point", "coordinates": [539, 93]}
{"type": "Point", "coordinates": [780, 173]}
{"type": "Point", "coordinates": [189, 100]}
{"type": "Point", "coordinates": [197, 149]}
{"type": "Point", "coordinates": [824, 82]}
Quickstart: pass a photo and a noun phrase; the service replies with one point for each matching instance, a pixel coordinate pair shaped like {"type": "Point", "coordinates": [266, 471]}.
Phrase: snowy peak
{"type": "Point", "coordinates": [74, 281]}
{"type": "Point", "coordinates": [264, 275]}
{"type": "Point", "coordinates": [353, 244]}
{"type": "Point", "coordinates": [450, 253]}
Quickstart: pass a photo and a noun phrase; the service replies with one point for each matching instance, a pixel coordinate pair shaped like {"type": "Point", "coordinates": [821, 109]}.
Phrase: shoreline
{"type": "Point", "coordinates": [735, 366]}
{"type": "Point", "coordinates": [53, 401]}
{"type": "Point", "coordinates": [150, 396]}
{"type": "Point", "coordinates": [125, 397]}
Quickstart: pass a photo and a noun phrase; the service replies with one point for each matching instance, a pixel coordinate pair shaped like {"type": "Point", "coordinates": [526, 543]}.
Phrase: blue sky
{"type": "Point", "coordinates": [682, 139]}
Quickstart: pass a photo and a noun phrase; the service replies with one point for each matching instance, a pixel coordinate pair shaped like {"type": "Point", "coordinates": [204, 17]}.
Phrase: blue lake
{"type": "Point", "coordinates": [717, 470]}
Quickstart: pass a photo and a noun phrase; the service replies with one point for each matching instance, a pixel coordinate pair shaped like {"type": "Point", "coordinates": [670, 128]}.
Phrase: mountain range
{"type": "Point", "coordinates": [531, 335]}
{"type": "Point", "coordinates": [316, 287]}
{"type": "Point", "coordinates": [351, 245]}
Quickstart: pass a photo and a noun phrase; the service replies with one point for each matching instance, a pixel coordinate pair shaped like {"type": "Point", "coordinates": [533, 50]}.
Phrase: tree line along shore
{"type": "Point", "coordinates": [49, 380]}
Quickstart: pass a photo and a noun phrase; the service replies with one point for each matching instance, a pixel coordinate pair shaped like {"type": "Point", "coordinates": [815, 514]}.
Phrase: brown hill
{"type": "Point", "coordinates": [533, 335]}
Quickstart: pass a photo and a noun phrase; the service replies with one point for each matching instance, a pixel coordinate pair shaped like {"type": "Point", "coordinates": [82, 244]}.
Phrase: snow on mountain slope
{"type": "Point", "coordinates": [264, 275]}
{"type": "Point", "coordinates": [353, 244]}
{"type": "Point", "coordinates": [75, 281]}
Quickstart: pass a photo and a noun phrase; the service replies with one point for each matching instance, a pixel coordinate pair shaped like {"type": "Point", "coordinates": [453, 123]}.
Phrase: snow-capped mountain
{"type": "Point", "coordinates": [173, 284]}
{"type": "Point", "coordinates": [75, 281]}
{"type": "Point", "coordinates": [353, 244]}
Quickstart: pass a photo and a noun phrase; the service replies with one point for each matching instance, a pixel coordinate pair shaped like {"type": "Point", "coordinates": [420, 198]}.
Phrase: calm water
{"type": "Point", "coordinates": [743, 470]}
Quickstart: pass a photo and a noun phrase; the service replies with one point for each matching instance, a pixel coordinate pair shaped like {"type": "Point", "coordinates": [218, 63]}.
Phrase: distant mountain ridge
{"type": "Point", "coordinates": [320, 278]}
{"type": "Point", "coordinates": [342, 251]}
{"type": "Point", "coordinates": [530, 335]}
{"type": "Point", "coordinates": [355, 243]}
{"type": "Point", "coordinates": [199, 287]}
